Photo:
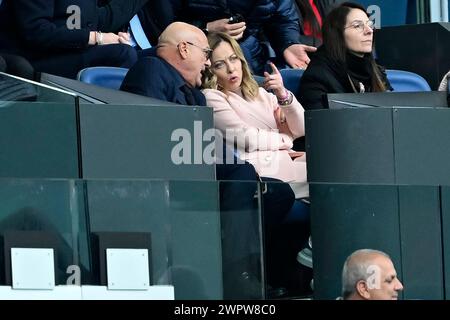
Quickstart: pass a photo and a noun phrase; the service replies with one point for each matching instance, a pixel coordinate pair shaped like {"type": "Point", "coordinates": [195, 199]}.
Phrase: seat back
{"type": "Point", "coordinates": [291, 79]}
{"type": "Point", "coordinates": [405, 81]}
{"type": "Point", "coordinates": [259, 80]}
{"type": "Point", "coordinates": [108, 77]}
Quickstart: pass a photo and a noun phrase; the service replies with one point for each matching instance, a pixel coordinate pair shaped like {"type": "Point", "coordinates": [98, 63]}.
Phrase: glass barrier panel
{"type": "Point", "coordinates": [207, 237]}
{"type": "Point", "coordinates": [13, 88]}
{"type": "Point", "coordinates": [43, 213]}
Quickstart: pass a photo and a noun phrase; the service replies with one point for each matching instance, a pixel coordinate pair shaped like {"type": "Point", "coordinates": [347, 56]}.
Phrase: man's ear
{"type": "Point", "coordinates": [362, 289]}
{"type": "Point", "coordinates": [183, 50]}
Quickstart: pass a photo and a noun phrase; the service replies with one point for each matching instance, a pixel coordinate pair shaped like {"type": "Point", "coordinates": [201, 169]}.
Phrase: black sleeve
{"type": "Point", "coordinates": [155, 16]}
{"type": "Point", "coordinates": [116, 14]}
{"type": "Point", "coordinates": [283, 29]}
{"type": "Point", "coordinates": [35, 19]}
{"type": "Point", "coordinates": [312, 92]}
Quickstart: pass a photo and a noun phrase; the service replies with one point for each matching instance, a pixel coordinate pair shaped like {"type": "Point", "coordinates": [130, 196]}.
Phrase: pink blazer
{"type": "Point", "coordinates": [265, 148]}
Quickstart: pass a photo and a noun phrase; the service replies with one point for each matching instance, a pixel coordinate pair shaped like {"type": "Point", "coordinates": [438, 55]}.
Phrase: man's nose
{"type": "Point", "coordinates": [398, 286]}
{"type": "Point", "coordinates": [208, 63]}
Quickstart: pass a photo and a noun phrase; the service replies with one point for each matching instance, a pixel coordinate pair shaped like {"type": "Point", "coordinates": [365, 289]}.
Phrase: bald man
{"type": "Point", "coordinates": [370, 275]}
{"type": "Point", "coordinates": [182, 54]}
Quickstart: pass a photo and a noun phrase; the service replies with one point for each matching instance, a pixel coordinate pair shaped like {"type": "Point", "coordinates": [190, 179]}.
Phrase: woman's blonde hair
{"type": "Point", "coordinates": [249, 85]}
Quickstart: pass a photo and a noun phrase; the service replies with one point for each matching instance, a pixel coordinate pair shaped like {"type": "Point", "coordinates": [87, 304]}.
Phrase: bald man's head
{"type": "Point", "coordinates": [185, 47]}
{"type": "Point", "coordinates": [364, 256]}
{"type": "Point", "coordinates": [369, 274]}
{"type": "Point", "coordinates": [180, 31]}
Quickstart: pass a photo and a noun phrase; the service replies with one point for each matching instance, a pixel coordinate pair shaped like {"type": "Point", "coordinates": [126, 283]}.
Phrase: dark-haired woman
{"type": "Point", "coordinates": [312, 13]}
{"type": "Point", "coordinates": [344, 63]}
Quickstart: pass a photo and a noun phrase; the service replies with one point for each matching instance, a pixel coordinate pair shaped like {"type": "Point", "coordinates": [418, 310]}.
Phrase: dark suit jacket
{"type": "Point", "coordinates": [154, 77]}
{"type": "Point", "coordinates": [36, 28]}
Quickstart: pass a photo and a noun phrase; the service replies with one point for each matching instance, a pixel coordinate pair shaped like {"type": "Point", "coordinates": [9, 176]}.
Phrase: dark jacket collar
{"type": "Point", "coordinates": [358, 69]}
{"type": "Point", "coordinates": [183, 94]}
{"type": "Point", "coordinates": [174, 74]}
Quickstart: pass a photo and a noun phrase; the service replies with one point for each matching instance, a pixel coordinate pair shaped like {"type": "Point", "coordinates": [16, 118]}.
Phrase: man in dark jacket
{"type": "Point", "coordinates": [63, 36]}
{"type": "Point", "coordinates": [251, 22]}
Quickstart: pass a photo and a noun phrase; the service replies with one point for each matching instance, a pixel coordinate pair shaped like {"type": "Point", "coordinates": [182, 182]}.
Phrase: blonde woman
{"type": "Point", "coordinates": [260, 124]}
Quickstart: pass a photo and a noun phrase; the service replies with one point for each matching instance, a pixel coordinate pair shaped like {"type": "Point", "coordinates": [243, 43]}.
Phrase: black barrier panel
{"type": "Point", "coordinates": [379, 145]}
{"type": "Point", "coordinates": [421, 243]}
{"type": "Point", "coordinates": [89, 93]}
{"type": "Point", "coordinates": [38, 140]}
{"type": "Point", "coordinates": [422, 146]}
{"type": "Point", "coordinates": [350, 146]}
{"type": "Point", "coordinates": [140, 142]}
{"type": "Point", "coordinates": [346, 218]}
{"type": "Point", "coordinates": [431, 99]}
{"type": "Point", "coordinates": [426, 55]}
{"type": "Point", "coordinates": [403, 221]}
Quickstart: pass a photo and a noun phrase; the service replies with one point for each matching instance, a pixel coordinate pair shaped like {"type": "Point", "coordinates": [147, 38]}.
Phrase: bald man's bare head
{"type": "Point", "coordinates": [366, 256]}
{"type": "Point", "coordinates": [185, 47]}
{"type": "Point", "coordinates": [180, 31]}
{"type": "Point", "coordinates": [370, 274]}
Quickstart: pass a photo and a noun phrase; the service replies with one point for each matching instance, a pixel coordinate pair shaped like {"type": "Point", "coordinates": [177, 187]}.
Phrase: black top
{"type": "Point", "coordinates": [277, 19]}
{"type": "Point", "coordinates": [325, 75]}
{"type": "Point", "coordinates": [154, 77]}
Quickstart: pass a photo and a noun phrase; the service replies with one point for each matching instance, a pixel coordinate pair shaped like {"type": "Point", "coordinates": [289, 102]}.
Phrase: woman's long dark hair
{"type": "Point", "coordinates": [334, 42]}
{"type": "Point", "coordinates": [308, 15]}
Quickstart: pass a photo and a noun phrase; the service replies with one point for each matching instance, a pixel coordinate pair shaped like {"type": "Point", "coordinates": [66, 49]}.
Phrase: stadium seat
{"type": "Point", "coordinates": [405, 81]}
{"type": "Point", "coordinates": [291, 79]}
{"type": "Point", "coordinates": [108, 77]}
{"type": "Point", "coordinates": [259, 80]}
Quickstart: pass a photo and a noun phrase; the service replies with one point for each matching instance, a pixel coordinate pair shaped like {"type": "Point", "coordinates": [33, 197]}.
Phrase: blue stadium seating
{"type": "Point", "coordinates": [112, 77]}
{"type": "Point", "coordinates": [259, 80]}
{"type": "Point", "coordinates": [401, 81]}
{"type": "Point", "coordinates": [405, 81]}
{"type": "Point", "coordinates": [108, 77]}
{"type": "Point", "coordinates": [291, 79]}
